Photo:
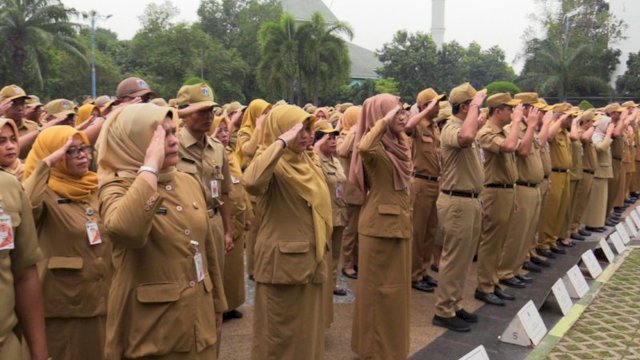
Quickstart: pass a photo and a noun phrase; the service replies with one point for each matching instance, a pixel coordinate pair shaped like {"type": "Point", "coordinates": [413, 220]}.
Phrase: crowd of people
{"type": "Point", "coordinates": [126, 222]}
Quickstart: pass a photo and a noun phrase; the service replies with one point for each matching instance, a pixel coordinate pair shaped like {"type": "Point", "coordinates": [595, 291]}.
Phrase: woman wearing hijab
{"type": "Point", "coordinates": [291, 266]}
{"type": "Point", "coordinates": [352, 194]}
{"type": "Point", "coordinates": [166, 299]}
{"type": "Point", "coordinates": [86, 112]}
{"type": "Point", "coordinates": [381, 167]}
{"type": "Point", "coordinates": [247, 143]}
{"type": "Point", "coordinates": [321, 113]}
{"type": "Point", "coordinates": [9, 148]}
{"type": "Point", "coordinates": [75, 271]}
{"type": "Point", "coordinates": [596, 212]}
{"type": "Point", "coordinates": [240, 212]}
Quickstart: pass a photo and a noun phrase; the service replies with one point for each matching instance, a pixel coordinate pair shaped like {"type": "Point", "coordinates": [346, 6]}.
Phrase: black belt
{"type": "Point", "coordinates": [425, 177]}
{"type": "Point", "coordinates": [499, 186]}
{"type": "Point", "coordinates": [560, 170]}
{"type": "Point", "coordinates": [527, 184]}
{"type": "Point", "coordinates": [615, 158]}
{"type": "Point", "coordinates": [588, 171]}
{"type": "Point", "coordinates": [466, 194]}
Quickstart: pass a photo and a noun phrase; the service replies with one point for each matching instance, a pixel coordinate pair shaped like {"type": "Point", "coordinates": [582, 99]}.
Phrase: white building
{"type": "Point", "coordinates": [629, 12]}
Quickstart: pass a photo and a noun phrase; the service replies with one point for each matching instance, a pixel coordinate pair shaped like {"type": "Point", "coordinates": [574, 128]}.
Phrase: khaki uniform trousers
{"type": "Point", "coordinates": [336, 244]}
{"type": "Point", "coordinates": [544, 188]}
{"type": "Point", "coordinates": [250, 239]}
{"type": "Point", "coordinates": [614, 184]}
{"type": "Point", "coordinates": [75, 338]}
{"type": "Point", "coordinates": [424, 194]}
{"type": "Point", "coordinates": [497, 209]}
{"type": "Point", "coordinates": [11, 348]}
{"type": "Point", "coordinates": [574, 185]}
{"type": "Point", "coordinates": [381, 315]}
{"type": "Point", "coordinates": [206, 354]}
{"type": "Point", "coordinates": [461, 222]}
{"type": "Point", "coordinates": [350, 238]}
{"type": "Point", "coordinates": [521, 233]}
{"type": "Point", "coordinates": [627, 185]}
{"type": "Point", "coordinates": [288, 322]}
{"type": "Point", "coordinates": [596, 213]}
{"type": "Point", "coordinates": [217, 229]}
{"type": "Point", "coordinates": [554, 214]}
{"type": "Point", "coordinates": [582, 201]}
{"type": "Point", "coordinates": [233, 275]}
{"type": "Point", "coordinates": [635, 184]}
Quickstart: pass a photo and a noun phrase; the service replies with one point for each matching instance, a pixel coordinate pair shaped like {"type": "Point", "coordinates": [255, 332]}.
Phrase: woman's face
{"type": "Point", "coordinates": [77, 158]}
{"type": "Point", "coordinates": [399, 122]}
{"type": "Point", "coordinates": [222, 133]}
{"type": "Point", "coordinates": [8, 146]}
{"type": "Point", "coordinates": [171, 153]}
{"type": "Point", "coordinates": [328, 144]}
{"type": "Point", "coordinates": [303, 140]}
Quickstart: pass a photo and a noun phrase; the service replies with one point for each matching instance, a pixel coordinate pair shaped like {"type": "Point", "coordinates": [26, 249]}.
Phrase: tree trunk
{"type": "Point", "coordinates": [18, 58]}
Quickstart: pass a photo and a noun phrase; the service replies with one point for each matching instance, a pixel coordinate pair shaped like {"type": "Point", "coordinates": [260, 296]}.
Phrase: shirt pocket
{"type": "Point", "coordinates": [294, 262]}
{"type": "Point", "coordinates": [63, 285]}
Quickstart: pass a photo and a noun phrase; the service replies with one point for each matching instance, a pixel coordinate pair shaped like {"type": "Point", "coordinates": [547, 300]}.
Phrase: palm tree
{"type": "Point", "coordinates": [30, 27]}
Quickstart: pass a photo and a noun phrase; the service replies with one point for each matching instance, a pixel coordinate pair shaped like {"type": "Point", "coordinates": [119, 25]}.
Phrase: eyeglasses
{"type": "Point", "coordinates": [76, 152]}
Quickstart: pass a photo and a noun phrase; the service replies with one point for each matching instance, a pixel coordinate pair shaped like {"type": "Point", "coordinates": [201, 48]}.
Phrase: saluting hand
{"type": "Point", "coordinates": [392, 114]}
{"type": "Point", "coordinates": [4, 105]}
{"type": "Point", "coordinates": [548, 117]}
{"type": "Point", "coordinates": [478, 99]}
{"type": "Point", "coordinates": [532, 118]}
{"type": "Point", "coordinates": [610, 129]}
{"type": "Point", "coordinates": [291, 134]}
{"type": "Point", "coordinates": [517, 114]}
{"type": "Point", "coordinates": [55, 157]}
{"type": "Point", "coordinates": [154, 156]}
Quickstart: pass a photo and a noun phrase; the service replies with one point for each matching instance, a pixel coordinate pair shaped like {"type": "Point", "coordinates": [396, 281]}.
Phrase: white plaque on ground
{"type": "Point", "coordinates": [606, 249]}
{"type": "Point", "coordinates": [479, 353]}
{"type": "Point", "coordinates": [526, 328]}
{"type": "Point", "coordinates": [636, 219]}
{"type": "Point", "coordinates": [632, 226]}
{"type": "Point", "coordinates": [562, 296]}
{"type": "Point", "coordinates": [637, 210]}
{"type": "Point", "coordinates": [617, 242]}
{"type": "Point", "coordinates": [575, 282]}
{"type": "Point", "coordinates": [623, 233]}
{"type": "Point", "coordinates": [592, 264]}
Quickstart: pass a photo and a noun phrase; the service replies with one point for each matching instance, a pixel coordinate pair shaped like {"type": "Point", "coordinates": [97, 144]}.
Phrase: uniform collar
{"type": "Point", "coordinates": [188, 140]}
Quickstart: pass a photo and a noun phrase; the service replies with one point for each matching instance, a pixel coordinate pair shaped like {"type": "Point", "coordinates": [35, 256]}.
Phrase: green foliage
{"type": "Point", "coordinates": [414, 61]}
{"type": "Point", "coordinates": [585, 105]}
{"type": "Point", "coordinates": [629, 83]}
{"type": "Point", "coordinates": [501, 87]}
{"type": "Point", "coordinates": [387, 85]}
{"type": "Point", "coordinates": [358, 92]}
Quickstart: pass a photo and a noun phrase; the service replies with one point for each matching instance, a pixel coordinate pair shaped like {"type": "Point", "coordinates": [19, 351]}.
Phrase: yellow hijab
{"type": "Point", "coordinates": [253, 112]}
{"type": "Point", "coordinates": [17, 168]}
{"type": "Point", "coordinates": [84, 113]}
{"type": "Point", "coordinates": [124, 139]}
{"type": "Point", "coordinates": [350, 118]}
{"type": "Point", "coordinates": [300, 172]}
{"type": "Point", "coordinates": [234, 164]}
{"type": "Point", "coordinates": [61, 182]}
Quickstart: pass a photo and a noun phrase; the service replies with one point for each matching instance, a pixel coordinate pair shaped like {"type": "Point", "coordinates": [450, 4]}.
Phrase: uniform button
{"type": "Point", "coordinates": [179, 208]}
{"type": "Point", "coordinates": [187, 232]}
{"type": "Point", "coordinates": [192, 283]}
{"type": "Point", "coordinates": [168, 187]}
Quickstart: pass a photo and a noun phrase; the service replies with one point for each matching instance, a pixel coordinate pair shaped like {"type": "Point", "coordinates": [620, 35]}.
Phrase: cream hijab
{"type": "Point", "coordinates": [124, 139]}
{"type": "Point", "coordinates": [300, 172]}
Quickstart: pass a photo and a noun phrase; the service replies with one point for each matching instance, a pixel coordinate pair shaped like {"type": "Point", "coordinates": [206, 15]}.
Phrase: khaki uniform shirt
{"type": "Point", "coordinates": [14, 202]}
{"type": "Point", "coordinates": [75, 275]}
{"type": "Point", "coordinates": [206, 162]}
{"type": "Point", "coordinates": [589, 157]}
{"type": "Point", "coordinates": [560, 150]}
{"type": "Point", "coordinates": [577, 152]}
{"type": "Point", "coordinates": [156, 303]}
{"type": "Point", "coordinates": [499, 167]}
{"type": "Point", "coordinates": [617, 148]}
{"type": "Point", "coordinates": [26, 127]}
{"type": "Point", "coordinates": [336, 179]}
{"type": "Point", "coordinates": [386, 212]}
{"type": "Point", "coordinates": [239, 199]}
{"type": "Point", "coordinates": [352, 194]}
{"type": "Point", "coordinates": [604, 168]}
{"type": "Point", "coordinates": [530, 168]}
{"type": "Point", "coordinates": [248, 145]}
{"type": "Point", "coordinates": [461, 167]}
{"type": "Point", "coordinates": [426, 149]}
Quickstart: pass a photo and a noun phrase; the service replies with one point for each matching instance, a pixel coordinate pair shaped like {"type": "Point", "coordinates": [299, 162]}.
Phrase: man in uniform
{"type": "Point", "coordinates": [33, 109]}
{"type": "Point", "coordinates": [424, 187]}
{"type": "Point", "coordinates": [554, 213]}
{"type": "Point", "coordinates": [28, 129]}
{"type": "Point", "coordinates": [458, 206]}
{"type": "Point", "coordinates": [575, 178]}
{"type": "Point", "coordinates": [589, 158]}
{"type": "Point", "coordinates": [21, 300]}
{"type": "Point", "coordinates": [61, 112]}
{"type": "Point", "coordinates": [133, 90]}
{"type": "Point", "coordinates": [614, 207]}
{"type": "Point", "coordinates": [498, 196]}
{"type": "Point", "coordinates": [205, 159]}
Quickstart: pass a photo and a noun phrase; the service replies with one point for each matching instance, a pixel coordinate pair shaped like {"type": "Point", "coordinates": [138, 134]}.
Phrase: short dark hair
{"type": "Point", "coordinates": [456, 108]}
{"type": "Point", "coordinates": [493, 109]}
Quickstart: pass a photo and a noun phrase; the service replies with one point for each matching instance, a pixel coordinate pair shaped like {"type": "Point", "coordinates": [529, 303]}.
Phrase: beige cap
{"type": "Point", "coordinates": [325, 127]}
{"type": "Point", "coordinates": [235, 106]}
{"type": "Point", "coordinates": [629, 104]}
{"type": "Point", "coordinates": [12, 92]}
{"type": "Point", "coordinates": [426, 95]}
{"type": "Point", "coordinates": [133, 87]}
{"type": "Point", "coordinates": [60, 108]}
{"type": "Point", "coordinates": [193, 98]}
{"type": "Point", "coordinates": [159, 101]}
{"type": "Point", "coordinates": [588, 115]}
{"type": "Point", "coordinates": [33, 101]}
{"type": "Point", "coordinates": [444, 113]}
{"type": "Point", "coordinates": [498, 99]}
{"type": "Point", "coordinates": [613, 107]}
{"type": "Point", "coordinates": [462, 93]}
{"type": "Point", "coordinates": [561, 107]}
{"type": "Point", "coordinates": [531, 98]}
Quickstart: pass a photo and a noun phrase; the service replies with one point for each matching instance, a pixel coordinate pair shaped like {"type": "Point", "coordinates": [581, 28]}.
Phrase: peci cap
{"type": "Point", "coordinates": [60, 108]}
{"type": "Point", "coordinates": [426, 95]}
{"type": "Point", "coordinates": [133, 87]}
{"type": "Point", "coordinates": [613, 107]}
{"type": "Point", "coordinates": [12, 92]}
{"type": "Point", "coordinates": [193, 98]}
{"type": "Point", "coordinates": [498, 99]}
{"type": "Point", "coordinates": [462, 93]}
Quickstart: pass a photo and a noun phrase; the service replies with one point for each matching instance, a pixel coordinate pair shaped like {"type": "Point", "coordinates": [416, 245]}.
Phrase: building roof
{"type": "Point", "coordinates": [363, 62]}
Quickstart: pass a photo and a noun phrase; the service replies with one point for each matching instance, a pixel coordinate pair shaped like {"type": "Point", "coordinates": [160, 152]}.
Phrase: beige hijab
{"type": "Point", "coordinates": [300, 172]}
{"type": "Point", "coordinates": [397, 149]}
{"type": "Point", "coordinates": [124, 139]}
{"type": "Point", "coordinates": [17, 168]}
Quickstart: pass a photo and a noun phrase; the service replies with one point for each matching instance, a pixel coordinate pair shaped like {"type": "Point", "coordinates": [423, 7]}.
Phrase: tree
{"type": "Point", "coordinates": [502, 87]}
{"type": "Point", "coordinates": [158, 17]}
{"type": "Point", "coordinates": [30, 27]}
{"type": "Point", "coordinates": [629, 83]}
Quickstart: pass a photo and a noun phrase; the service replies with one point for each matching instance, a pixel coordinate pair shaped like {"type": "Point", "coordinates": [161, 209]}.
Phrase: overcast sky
{"type": "Point", "coordinates": [490, 22]}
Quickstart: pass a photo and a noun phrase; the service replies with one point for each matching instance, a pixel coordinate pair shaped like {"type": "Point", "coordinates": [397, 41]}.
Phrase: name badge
{"type": "Point", "coordinates": [215, 189]}
{"type": "Point", "coordinates": [198, 262]}
{"type": "Point", "coordinates": [339, 190]}
{"type": "Point", "coordinates": [6, 232]}
{"type": "Point", "coordinates": [93, 233]}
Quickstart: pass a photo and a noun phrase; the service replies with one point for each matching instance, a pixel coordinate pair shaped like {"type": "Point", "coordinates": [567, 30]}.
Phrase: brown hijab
{"type": "Point", "coordinates": [396, 148]}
